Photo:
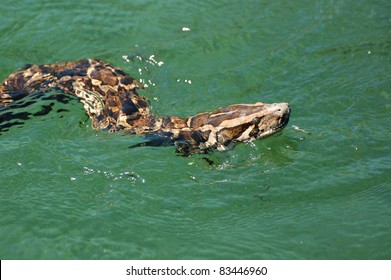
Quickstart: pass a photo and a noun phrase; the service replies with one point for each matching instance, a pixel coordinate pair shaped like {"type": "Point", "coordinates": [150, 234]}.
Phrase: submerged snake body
{"type": "Point", "coordinates": [111, 101]}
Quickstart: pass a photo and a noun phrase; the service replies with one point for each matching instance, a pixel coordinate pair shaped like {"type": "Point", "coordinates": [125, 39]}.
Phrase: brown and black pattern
{"type": "Point", "coordinates": [111, 101]}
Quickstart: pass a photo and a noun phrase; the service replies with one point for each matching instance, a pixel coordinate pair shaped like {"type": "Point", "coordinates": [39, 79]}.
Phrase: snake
{"type": "Point", "coordinates": [112, 102]}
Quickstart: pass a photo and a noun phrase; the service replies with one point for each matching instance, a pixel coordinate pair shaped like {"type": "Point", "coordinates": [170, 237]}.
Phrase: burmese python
{"type": "Point", "coordinates": [111, 101]}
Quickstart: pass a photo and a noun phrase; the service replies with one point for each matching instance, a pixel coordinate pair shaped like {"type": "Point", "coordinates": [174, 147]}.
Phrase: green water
{"type": "Point", "coordinates": [68, 192]}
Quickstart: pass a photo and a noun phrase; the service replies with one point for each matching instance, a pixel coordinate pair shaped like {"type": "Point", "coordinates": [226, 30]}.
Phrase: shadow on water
{"type": "Point", "coordinates": [38, 104]}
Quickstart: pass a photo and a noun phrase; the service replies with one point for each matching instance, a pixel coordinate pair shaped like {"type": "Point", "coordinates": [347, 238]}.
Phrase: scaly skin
{"type": "Point", "coordinates": [111, 101]}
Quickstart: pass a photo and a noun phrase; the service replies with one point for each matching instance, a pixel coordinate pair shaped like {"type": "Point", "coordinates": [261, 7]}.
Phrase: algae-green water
{"type": "Point", "coordinates": [319, 190]}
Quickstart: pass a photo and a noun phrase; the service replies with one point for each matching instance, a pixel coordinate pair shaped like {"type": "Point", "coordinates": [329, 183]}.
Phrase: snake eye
{"type": "Point", "coordinates": [255, 120]}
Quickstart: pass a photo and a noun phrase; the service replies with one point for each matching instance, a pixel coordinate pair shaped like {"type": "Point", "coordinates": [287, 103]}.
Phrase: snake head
{"type": "Point", "coordinates": [221, 129]}
{"type": "Point", "coordinates": [225, 127]}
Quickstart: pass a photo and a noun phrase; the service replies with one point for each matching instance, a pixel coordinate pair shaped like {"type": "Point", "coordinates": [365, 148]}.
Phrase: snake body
{"type": "Point", "coordinates": [109, 96]}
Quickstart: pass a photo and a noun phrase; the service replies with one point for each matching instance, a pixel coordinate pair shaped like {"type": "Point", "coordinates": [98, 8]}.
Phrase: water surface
{"type": "Point", "coordinates": [318, 192]}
